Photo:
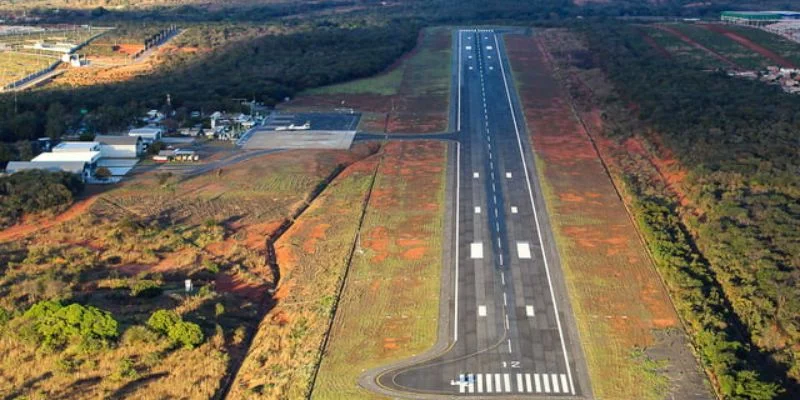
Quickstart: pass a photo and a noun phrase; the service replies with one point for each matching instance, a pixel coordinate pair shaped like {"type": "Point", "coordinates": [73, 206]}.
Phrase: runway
{"type": "Point", "coordinates": [511, 328]}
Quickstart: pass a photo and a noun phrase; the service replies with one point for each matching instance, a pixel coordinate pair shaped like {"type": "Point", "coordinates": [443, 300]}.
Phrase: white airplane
{"type": "Point", "coordinates": [293, 127]}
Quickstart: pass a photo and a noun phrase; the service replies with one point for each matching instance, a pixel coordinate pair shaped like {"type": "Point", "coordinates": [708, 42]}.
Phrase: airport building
{"type": "Point", "coordinates": [759, 17]}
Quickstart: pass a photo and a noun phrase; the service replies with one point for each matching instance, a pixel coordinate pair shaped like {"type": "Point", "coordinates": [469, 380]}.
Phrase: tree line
{"type": "Point", "coordinates": [735, 264]}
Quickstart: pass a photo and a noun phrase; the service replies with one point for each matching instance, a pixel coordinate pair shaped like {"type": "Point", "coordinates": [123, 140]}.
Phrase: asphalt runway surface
{"type": "Point", "coordinates": [511, 330]}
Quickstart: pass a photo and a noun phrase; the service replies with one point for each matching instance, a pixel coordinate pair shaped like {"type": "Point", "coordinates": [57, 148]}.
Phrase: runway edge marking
{"type": "Point", "coordinates": [535, 216]}
{"type": "Point", "coordinates": [458, 191]}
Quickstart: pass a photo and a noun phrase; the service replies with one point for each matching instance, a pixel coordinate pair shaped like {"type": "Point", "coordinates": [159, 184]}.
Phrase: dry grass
{"type": "Point", "coordinates": [415, 91]}
{"type": "Point", "coordinates": [210, 228]}
{"type": "Point", "coordinates": [615, 293]}
{"type": "Point", "coordinates": [312, 256]}
{"type": "Point", "coordinates": [390, 306]}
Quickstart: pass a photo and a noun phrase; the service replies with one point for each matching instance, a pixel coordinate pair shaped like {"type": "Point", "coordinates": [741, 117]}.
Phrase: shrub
{"type": "Point", "coordinates": [162, 320]}
{"type": "Point", "coordinates": [139, 335]}
{"type": "Point", "coordinates": [103, 173]}
{"type": "Point", "coordinates": [169, 323]}
{"type": "Point", "coordinates": [146, 288]}
{"type": "Point", "coordinates": [51, 324]}
{"type": "Point", "coordinates": [187, 334]}
{"type": "Point", "coordinates": [126, 369]}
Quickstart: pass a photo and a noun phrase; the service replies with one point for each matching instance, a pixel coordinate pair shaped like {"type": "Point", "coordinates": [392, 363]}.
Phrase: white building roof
{"type": "Point", "coordinates": [147, 131]}
{"type": "Point", "coordinates": [76, 147]}
{"type": "Point", "coordinates": [66, 166]}
{"type": "Point", "coordinates": [116, 140]}
{"type": "Point", "coordinates": [65, 156]}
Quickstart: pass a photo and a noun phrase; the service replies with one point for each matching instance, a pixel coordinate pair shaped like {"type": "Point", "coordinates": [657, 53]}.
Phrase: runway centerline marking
{"type": "Point", "coordinates": [529, 311]}
{"type": "Point", "coordinates": [477, 209]}
{"type": "Point", "coordinates": [514, 210]}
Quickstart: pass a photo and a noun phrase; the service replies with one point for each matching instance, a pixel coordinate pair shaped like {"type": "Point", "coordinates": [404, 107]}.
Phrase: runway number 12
{"type": "Point", "coordinates": [511, 364]}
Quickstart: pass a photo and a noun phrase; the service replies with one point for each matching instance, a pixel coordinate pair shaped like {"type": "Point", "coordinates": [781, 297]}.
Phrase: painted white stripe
{"type": "Point", "coordinates": [524, 250]}
{"type": "Point", "coordinates": [479, 381]}
{"type": "Point", "coordinates": [507, 326]}
{"type": "Point", "coordinates": [471, 383]}
{"type": "Point", "coordinates": [497, 384]}
{"type": "Point", "coordinates": [536, 219]}
{"type": "Point", "coordinates": [546, 380]}
{"type": "Point", "coordinates": [528, 386]}
{"type": "Point", "coordinates": [508, 175]}
{"type": "Point", "coordinates": [538, 383]}
{"type": "Point", "coordinates": [481, 311]}
{"type": "Point", "coordinates": [555, 383]}
{"type": "Point", "coordinates": [505, 299]}
{"type": "Point", "coordinates": [529, 311]}
{"type": "Point", "coordinates": [476, 250]}
{"type": "Point", "coordinates": [477, 209]}
{"type": "Point", "coordinates": [564, 384]}
{"type": "Point", "coordinates": [488, 383]}
{"type": "Point", "coordinates": [476, 175]}
{"type": "Point", "coordinates": [507, 382]}
{"type": "Point", "coordinates": [461, 383]}
{"type": "Point", "coordinates": [458, 188]}
{"type": "Point", "coordinates": [514, 210]}
{"type": "Point", "coordinates": [520, 388]}
{"type": "Point", "coordinates": [468, 47]}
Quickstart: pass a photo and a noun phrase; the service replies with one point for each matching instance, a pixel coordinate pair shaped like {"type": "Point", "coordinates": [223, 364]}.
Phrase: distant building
{"type": "Point", "coordinates": [76, 147]}
{"type": "Point", "coordinates": [79, 168]}
{"type": "Point", "coordinates": [90, 156]}
{"type": "Point", "coordinates": [148, 134]}
{"type": "Point", "coordinates": [758, 17]}
{"type": "Point", "coordinates": [113, 146]}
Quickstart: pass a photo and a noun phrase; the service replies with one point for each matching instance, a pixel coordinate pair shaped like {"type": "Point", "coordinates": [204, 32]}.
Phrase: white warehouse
{"type": "Point", "coordinates": [112, 146]}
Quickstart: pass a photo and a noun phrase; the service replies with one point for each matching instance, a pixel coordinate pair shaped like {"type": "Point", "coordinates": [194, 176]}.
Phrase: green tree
{"type": "Point", "coordinates": [162, 320]}
{"type": "Point", "coordinates": [55, 124]}
{"type": "Point", "coordinates": [187, 334]}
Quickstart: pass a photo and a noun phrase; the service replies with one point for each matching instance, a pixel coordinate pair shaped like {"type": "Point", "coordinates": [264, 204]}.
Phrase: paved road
{"type": "Point", "coordinates": [511, 327]}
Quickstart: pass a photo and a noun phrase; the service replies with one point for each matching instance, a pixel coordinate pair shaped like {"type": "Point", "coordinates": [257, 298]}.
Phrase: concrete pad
{"type": "Point", "coordinates": [268, 139]}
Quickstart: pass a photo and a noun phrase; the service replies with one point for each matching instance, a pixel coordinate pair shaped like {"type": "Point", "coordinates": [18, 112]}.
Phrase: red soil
{"type": "Point", "coordinates": [654, 44]}
{"type": "Point", "coordinates": [27, 227]}
{"type": "Point", "coordinates": [680, 35]}
{"type": "Point", "coordinates": [750, 45]}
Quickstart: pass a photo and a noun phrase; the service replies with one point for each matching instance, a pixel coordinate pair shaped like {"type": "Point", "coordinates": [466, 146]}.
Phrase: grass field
{"type": "Point", "coordinates": [15, 66]}
{"type": "Point", "coordinates": [684, 52]}
{"type": "Point", "coordinates": [605, 263]}
{"type": "Point", "coordinates": [159, 230]}
{"type": "Point", "coordinates": [312, 256]}
{"type": "Point", "coordinates": [390, 307]}
{"type": "Point", "coordinates": [781, 46]}
{"type": "Point", "coordinates": [414, 92]}
{"type": "Point", "coordinates": [737, 53]}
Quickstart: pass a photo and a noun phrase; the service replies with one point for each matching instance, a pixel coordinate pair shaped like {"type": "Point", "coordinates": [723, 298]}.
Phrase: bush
{"type": "Point", "coordinates": [162, 320]}
{"type": "Point", "coordinates": [169, 323]}
{"type": "Point", "coordinates": [146, 288]}
{"type": "Point", "coordinates": [102, 173]}
{"type": "Point", "coordinates": [51, 324]}
{"type": "Point", "coordinates": [35, 191]}
{"type": "Point", "coordinates": [139, 335]}
{"type": "Point", "coordinates": [187, 334]}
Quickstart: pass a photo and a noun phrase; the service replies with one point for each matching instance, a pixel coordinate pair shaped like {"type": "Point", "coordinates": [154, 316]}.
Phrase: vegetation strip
{"type": "Point", "coordinates": [702, 290]}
